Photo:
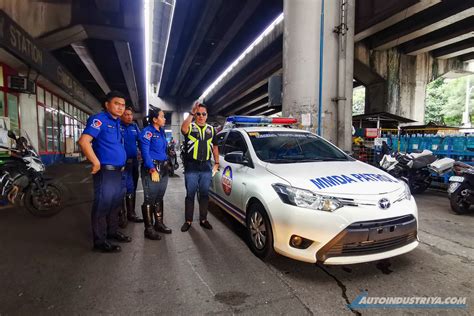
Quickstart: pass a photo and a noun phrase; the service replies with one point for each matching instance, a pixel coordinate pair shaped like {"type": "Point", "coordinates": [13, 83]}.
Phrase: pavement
{"type": "Point", "coordinates": [47, 266]}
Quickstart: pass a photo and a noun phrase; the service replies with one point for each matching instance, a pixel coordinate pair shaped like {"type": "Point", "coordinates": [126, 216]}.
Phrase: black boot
{"type": "Point", "coordinates": [159, 225]}
{"type": "Point", "coordinates": [147, 212]}
{"type": "Point", "coordinates": [122, 216]}
{"type": "Point", "coordinates": [130, 203]}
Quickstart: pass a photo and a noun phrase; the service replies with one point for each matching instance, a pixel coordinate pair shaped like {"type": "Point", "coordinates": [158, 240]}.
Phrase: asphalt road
{"type": "Point", "coordinates": [47, 266]}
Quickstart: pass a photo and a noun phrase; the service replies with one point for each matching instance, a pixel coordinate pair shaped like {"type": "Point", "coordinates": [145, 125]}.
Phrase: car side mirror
{"type": "Point", "coordinates": [236, 157]}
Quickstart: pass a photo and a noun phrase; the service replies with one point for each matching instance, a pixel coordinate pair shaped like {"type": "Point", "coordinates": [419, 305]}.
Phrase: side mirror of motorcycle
{"type": "Point", "coordinates": [11, 134]}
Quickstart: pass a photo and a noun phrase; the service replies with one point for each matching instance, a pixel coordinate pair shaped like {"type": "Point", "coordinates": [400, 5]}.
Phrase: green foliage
{"type": "Point", "coordinates": [445, 101]}
{"type": "Point", "coordinates": [358, 101]}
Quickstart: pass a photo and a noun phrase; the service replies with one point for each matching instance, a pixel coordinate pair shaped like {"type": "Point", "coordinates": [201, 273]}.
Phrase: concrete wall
{"type": "Point", "coordinates": [38, 17]}
{"type": "Point", "coordinates": [28, 116]}
{"type": "Point", "coordinates": [406, 79]}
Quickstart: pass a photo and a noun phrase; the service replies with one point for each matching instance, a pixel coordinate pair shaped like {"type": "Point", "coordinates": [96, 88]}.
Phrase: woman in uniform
{"type": "Point", "coordinates": [154, 173]}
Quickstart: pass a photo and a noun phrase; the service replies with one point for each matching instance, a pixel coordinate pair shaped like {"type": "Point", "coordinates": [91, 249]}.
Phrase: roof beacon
{"type": "Point", "coordinates": [260, 120]}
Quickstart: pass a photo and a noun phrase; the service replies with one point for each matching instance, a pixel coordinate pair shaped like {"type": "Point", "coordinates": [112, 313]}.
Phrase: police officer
{"type": "Point", "coordinates": [131, 133]}
{"type": "Point", "coordinates": [154, 173]}
{"type": "Point", "coordinates": [200, 142]}
{"type": "Point", "coordinates": [102, 144]}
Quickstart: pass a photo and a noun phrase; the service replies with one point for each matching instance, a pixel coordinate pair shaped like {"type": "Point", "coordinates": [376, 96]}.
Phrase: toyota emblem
{"type": "Point", "coordinates": [384, 204]}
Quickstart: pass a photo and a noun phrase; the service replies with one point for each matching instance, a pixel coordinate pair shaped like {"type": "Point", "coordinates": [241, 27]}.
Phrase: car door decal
{"type": "Point", "coordinates": [226, 180]}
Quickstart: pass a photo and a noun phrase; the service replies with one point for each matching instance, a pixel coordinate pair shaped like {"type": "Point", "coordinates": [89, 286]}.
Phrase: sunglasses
{"type": "Point", "coordinates": [199, 114]}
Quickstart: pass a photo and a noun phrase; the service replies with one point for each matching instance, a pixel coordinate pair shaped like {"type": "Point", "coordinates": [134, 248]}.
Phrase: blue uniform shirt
{"type": "Point", "coordinates": [153, 145]}
{"type": "Point", "coordinates": [130, 134]}
{"type": "Point", "coordinates": [108, 140]}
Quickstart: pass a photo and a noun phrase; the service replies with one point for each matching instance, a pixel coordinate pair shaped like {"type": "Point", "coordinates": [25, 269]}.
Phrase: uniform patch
{"type": "Point", "coordinates": [208, 131]}
{"type": "Point", "coordinates": [96, 123]}
{"type": "Point", "coordinates": [148, 135]}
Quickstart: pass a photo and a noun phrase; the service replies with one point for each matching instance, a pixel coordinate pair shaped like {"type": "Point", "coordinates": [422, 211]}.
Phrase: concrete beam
{"type": "Point", "coordinates": [271, 111]}
{"type": "Point", "coordinates": [84, 54]}
{"type": "Point", "coordinates": [241, 19]}
{"type": "Point", "coordinates": [126, 63]}
{"type": "Point", "coordinates": [454, 50]}
{"type": "Point", "coordinates": [394, 19]}
{"type": "Point", "coordinates": [267, 41]}
{"type": "Point", "coordinates": [80, 32]}
{"type": "Point", "coordinates": [467, 57]}
{"type": "Point", "coordinates": [256, 110]}
{"type": "Point", "coordinates": [454, 33]}
{"type": "Point", "coordinates": [439, 16]}
{"type": "Point", "coordinates": [248, 91]}
{"type": "Point", "coordinates": [209, 13]}
{"type": "Point", "coordinates": [252, 102]}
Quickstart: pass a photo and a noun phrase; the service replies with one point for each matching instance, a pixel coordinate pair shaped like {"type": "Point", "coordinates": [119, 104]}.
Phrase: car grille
{"type": "Point", "coordinates": [371, 237]}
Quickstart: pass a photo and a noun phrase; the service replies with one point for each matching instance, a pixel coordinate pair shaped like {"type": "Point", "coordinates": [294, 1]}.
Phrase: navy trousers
{"type": "Point", "coordinates": [153, 192]}
{"type": "Point", "coordinates": [131, 176]}
{"type": "Point", "coordinates": [109, 189]}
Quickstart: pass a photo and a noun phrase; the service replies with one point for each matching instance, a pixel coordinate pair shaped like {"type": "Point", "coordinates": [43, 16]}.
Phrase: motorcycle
{"type": "Point", "coordinates": [460, 190]}
{"type": "Point", "coordinates": [411, 168]}
{"type": "Point", "coordinates": [28, 186]}
{"type": "Point", "coordinates": [172, 159]}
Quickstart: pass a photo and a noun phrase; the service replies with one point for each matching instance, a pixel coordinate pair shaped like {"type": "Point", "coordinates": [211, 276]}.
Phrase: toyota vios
{"type": "Point", "coordinates": [302, 197]}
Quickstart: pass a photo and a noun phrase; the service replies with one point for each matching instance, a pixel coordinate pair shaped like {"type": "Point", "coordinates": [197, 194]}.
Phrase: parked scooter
{"type": "Point", "coordinates": [460, 191]}
{"type": "Point", "coordinates": [172, 159]}
{"type": "Point", "coordinates": [26, 183]}
{"type": "Point", "coordinates": [412, 168]}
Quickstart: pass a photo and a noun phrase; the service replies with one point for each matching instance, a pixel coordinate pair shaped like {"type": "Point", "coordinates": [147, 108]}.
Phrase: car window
{"type": "Point", "coordinates": [284, 147]}
{"type": "Point", "coordinates": [220, 141]}
{"type": "Point", "coordinates": [235, 142]}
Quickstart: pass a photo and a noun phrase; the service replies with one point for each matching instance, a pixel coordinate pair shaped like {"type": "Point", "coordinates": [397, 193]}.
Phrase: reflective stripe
{"type": "Point", "coordinates": [196, 141]}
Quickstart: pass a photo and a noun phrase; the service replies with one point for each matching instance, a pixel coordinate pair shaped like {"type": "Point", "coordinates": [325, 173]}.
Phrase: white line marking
{"type": "Point", "coordinates": [202, 280]}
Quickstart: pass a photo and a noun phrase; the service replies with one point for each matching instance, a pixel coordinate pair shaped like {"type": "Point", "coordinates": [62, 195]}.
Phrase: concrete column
{"type": "Point", "coordinates": [301, 63]}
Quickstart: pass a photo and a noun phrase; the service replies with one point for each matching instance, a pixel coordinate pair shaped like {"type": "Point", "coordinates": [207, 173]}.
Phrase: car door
{"type": "Point", "coordinates": [233, 176]}
{"type": "Point", "coordinates": [216, 186]}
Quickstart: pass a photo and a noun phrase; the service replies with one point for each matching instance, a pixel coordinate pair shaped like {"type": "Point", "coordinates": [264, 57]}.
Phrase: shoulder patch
{"type": "Point", "coordinates": [96, 123]}
{"type": "Point", "coordinates": [148, 135]}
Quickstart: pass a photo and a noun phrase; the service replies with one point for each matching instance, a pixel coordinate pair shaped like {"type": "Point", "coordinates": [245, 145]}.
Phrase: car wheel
{"type": "Point", "coordinates": [259, 231]}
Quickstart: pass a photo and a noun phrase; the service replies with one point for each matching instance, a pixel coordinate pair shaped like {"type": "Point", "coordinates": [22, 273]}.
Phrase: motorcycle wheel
{"type": "Point", "coordinates": [44, 205]}
{"type": "Point", "coordinates": [456, 200]}
{"type": "Point", "coordinates": [419, 187]}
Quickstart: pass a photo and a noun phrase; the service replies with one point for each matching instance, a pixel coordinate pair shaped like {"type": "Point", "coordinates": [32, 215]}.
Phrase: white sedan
{"type": "Point", "coordinates": [302, 197]}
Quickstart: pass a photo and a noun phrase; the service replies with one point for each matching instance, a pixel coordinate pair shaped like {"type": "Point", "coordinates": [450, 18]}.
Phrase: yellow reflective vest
{"type": "Point", "coordinates": [198, 144]}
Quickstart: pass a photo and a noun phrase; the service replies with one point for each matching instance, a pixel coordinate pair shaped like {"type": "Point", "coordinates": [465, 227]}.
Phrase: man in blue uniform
{"type": "Point", "coordinates": [130, 132]}
{"type": "Point", "coordinates": [102, 144]}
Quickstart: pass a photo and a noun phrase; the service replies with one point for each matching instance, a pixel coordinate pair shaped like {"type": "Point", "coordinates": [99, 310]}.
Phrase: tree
{"type": "Point", "coordinates": [445, 101]}
{"type": "Point", "coordinates": [435, 101]}
{"type": "Point", "coordinates": [358, 101]}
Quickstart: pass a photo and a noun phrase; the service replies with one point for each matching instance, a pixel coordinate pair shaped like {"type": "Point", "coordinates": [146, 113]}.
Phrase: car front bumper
{"type": "Point", "coordinates": [351, 234]}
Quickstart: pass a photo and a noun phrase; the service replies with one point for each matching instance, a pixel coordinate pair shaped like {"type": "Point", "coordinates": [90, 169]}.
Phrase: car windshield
{"type": "Point", "coordinates": [287, 147]}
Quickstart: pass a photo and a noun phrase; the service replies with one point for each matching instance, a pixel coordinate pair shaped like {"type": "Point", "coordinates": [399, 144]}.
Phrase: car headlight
{"type": "Point", "coordinates": [407, 190]}
{"type": "Point", "coordinates": [306, 198]}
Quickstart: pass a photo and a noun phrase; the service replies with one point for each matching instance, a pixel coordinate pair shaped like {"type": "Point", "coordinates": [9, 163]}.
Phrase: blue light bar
{"type": "Point", "coordinates": [239, 119]}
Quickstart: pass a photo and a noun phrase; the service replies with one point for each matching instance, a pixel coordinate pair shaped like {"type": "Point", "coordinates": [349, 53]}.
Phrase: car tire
{"type": "Point", "coordinates": [259, 231]}
{"type": "Point", "coordinates": [456, 203]}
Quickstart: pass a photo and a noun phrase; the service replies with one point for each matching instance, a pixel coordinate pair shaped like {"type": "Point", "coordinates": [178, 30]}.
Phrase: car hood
{"type": "Point", "coordinates": [342, 178]}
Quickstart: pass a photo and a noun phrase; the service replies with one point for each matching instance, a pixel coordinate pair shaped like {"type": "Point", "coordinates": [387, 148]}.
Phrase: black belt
{"type": "Point", "coordinates": [112, 167]}
{"type": "Point", "coordinates": [131, 160]}
{"type": "Point", "coordinates": [159, 162]}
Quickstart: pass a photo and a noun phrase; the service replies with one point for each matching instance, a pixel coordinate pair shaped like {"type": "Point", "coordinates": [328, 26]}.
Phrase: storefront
{"type": "Point", "coordinates": [54, 110]}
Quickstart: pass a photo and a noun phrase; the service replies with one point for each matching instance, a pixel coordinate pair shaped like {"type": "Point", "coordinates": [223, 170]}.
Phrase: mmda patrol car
{"type": "Point", "coordinates": [304, 198]}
